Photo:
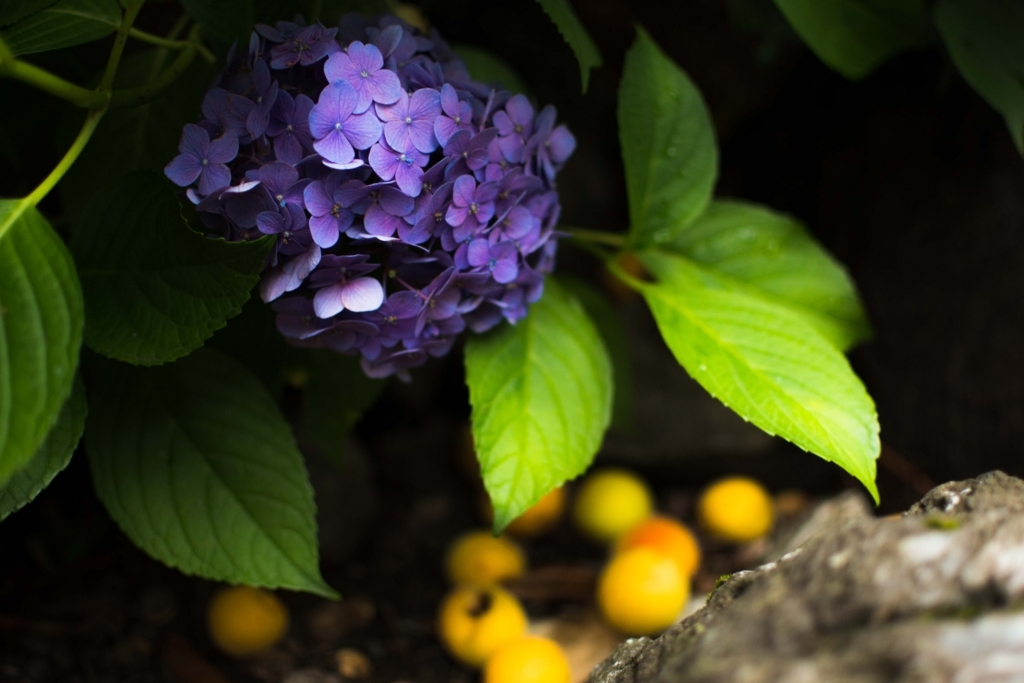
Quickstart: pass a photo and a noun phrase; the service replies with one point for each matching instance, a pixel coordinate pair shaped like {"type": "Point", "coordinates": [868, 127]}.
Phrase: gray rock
{"type": "Point", "coordinates": [932, 596]}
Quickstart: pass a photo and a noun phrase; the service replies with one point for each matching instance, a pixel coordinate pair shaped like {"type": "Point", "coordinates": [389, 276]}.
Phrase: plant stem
{"type": "Point", "coordinates": [91, 121]}
{"type": "Point", "coordinates": [120, 40]}
{"type": "Point", "coordinates": [599, 236]}
{"type": "Point", "coordinates": [145, 93]}
{"type": "Point", "coordinates": [172, 44]}
{"type": "Point", "coordinates": [33, 75]}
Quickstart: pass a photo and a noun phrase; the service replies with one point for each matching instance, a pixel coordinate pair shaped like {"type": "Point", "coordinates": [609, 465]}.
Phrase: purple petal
{"type": "Point", "coordinates": [408, 179]}
{"type": "Point", "coordinates": [444, 129]}
{"type": "Point", "coordinates": [224, 149]}
{"type": "Point", "coordinates": [394, 112]}
{"type": "Point", "coordinates": [214, 177]}
{"type": "Point", "coordinates": [465, 187]}
{"type": "Point", "coordinates": [324, 230]}
{"type": "Point", "coordinates": [318, 202]}
{"type": "Point", "coordinates": [396, 203]}
{"type": "Point", "coordinates": [505, 271]}
{"type": "Point", "coordinates": [380, 223]}
{"type": "Point", "coordinates": [195, 141]}
{"type": "Point", "coordinates": [396, 133]}
{"type": "Point", "coordinates": [425, 104]}
{"type": "Point", "coordinates": [479, 253]}
{"type": "Point", "coordinates": [422, 135]}
{"type": "Point", "coordinates": [366, 57]}
{"type": "Point", "coordinates": [338, 66]}
{"type": "Point", "coordinates": [384, 86]}
{"type": "Point", "coordinates": [327, 302]}
{"type": "Point", "coordinates": [362, 294]}
{"type": "Point", "coordinates": [561, 144]}
{"type": "Point", "coordinates": [519, 110]}
{"type": "Point", "coordinates": [383, 161]}
{"type": "Point", "coordinates": [183, 169]}
{"type": "Point", "coordinates": [362, 130]}
{"type": "Point", "coordinates": [270, 223]}
{"type": "Point", "coordinates": [456, 215]}
{"type": "Point", "coordinates": [287, 148]}
{"type": "Point", "coordinates": [335, 148]}
{"type": "Point", "coordinates": [404, 305]}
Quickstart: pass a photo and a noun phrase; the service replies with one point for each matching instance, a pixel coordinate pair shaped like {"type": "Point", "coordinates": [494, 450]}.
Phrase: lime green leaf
{"type": "Point", "coordinates": [765, 362]}
{"type": "Point", "coordinates": [67, 23]}
{"type": "Point", "coordinates": [575, 35]}
{"type": "Point", "coordinates": [984, 40]}
{"type": "Point", "coordinates": [668, 145]}
{"type": "Point", "coordinates": [485, 67]}
{"type": "Point", "coordinates": [155, 290]}
{"type": "Point", "coordinates": [12, 11]}
{"type": "Point", "coordinates": [774, 254]}
{"type": "Point", "coordinates": [52, 457]}
{"type": "Point", "coordinates": [196, 464]}
{"type": "Point", "coordinates": [856, 36]}
{"type": "Point", "coordinates": [541, 393]}
{"type": "Point", "coordinates": [40, 331]}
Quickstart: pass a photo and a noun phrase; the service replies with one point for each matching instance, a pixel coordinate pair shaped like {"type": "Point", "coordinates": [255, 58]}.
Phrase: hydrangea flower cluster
{"type": "Point", "coordinates": [409, 202]}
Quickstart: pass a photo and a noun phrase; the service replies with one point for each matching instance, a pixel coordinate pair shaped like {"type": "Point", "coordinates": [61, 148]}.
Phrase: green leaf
{"type": "Point", "coordinates": [155, 290]}
{"type": "Point", "coordinates": [12, 11]}
{"type": "Point", "coordinates": [67, 23]}
{"type": "Point", "coordinates": [774, 254]}
{"type": "Point", "coordinates": [856, 36]}
{"type": "Point", "coordinates": [40, 331]}
{"type": "Point", "coordinates": [575, 35]}
{"type": "Point", "coordinates": [198, 467]}
{"type": "Point", "coordinates": [984, 40]}
{"type": "Point", "coordinates": [541, 393]}
{"type": "Point", "coordinates": [231, 20]}
{"type": "Point", "coordinates": [52, 457]}
{"type": "Point", "coordinates": [485, 67]}
{"type": "Point", "coordinates": [668, 145]}
{"type": "Point", "coordinates": [765, 362]}
{"type": "Point", "coordinates": [609, 325]}
{"type": "Point", "coordinates": [337, 394]}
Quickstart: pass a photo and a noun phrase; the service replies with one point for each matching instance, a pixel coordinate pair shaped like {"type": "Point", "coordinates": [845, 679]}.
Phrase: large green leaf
{"type": "Point", "coordinates": [774, 254]}
{"type": "Point", "coordinates": [765, 362]}
{"type": "Point", "coordinates": [575, 35]}
{"type": "Point", "coordinates": [198, 467]}
{"type": "Point", "coordinates": [155, 290]}
{"type": "Point", "coordinates": [12, 11]}
{"type": "Point", "coordinates": [984, 40]}
{"type": "Point", "coordinates": [487, 68]}
{"type": "Point", "coordinates": [40, 331]}
{"type": "Point", "coordinates": [67, 23]}
{"type": "Point", "coordinates": [668, 145]}
{"type": "Point", "coordinates": [52, 457]}
{"type": "Point", "coordinates": [541, 393]}
{"type": "Point", "coordinates": [337, 394]}
{"type": "Point", "coordinates": [855, 36]}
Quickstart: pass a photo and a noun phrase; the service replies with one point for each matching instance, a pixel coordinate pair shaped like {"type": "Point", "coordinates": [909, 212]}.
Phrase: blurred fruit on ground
{"type": "Point", "coordinates": [641, 592]}
{"type": "Point", "coordinates": [668, 537]}
{"type": "Point", "coordinates": [736, 509]}
{"type": "Point", "coordinates": [243, 620]}
{"type": "Point", "coordinates": [530, 659]}
{"type": "Point", "coordinates": [539, 519]}
{"type": "Point", "coordinates": [477, 557]}
{"type": "Point", "coordinates": [583, 636]}
{"type": "Point", "coordinates": [610, 502]}
{"type": "Point", "coordinates": [474, 621]}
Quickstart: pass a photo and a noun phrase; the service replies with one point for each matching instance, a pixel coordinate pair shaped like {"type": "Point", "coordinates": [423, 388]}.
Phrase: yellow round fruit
{"type": "Point", "coordinates": [475, 621]}
{"type": "Point", "coordinates": [611, 502]}
{"type": "Point", "coordinates": [244, 620]}
{"type": "Point", "coordinates": [539, 519]}
{"type": "Point", "coordinates": [736, 509]}
{"type": "Point", "coordinates": [641, 592]}
{"type": "Point", "coordinates": [477, 557]}
{"type": "Point", "coordinates": [530, 659]}
{"type": "Point", "coordinates": [667, 537]}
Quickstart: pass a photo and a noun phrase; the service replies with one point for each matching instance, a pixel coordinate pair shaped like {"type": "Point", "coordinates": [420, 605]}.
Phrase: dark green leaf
{"type": "Point", "coordinates": [855, 36]}
{"type": "Point", "coordinates": [40, 331]}
{"type": "Point", "coordinates": [155, 290]}
{"type": "Point", "coordinates": [575, 35]}
{"type": "Point", "coordinates": [337, 394]}
{"type": "Point", "coordinates": [231, 20]}
{"type": "Point", "coordinates": [541, 393]}
{"type": "Point", "coordinates": [668, 145]}
{"type": "Point", "coordinates": [609, 325]}
{"type": "Point", "coordinates": [984, 40]}
{"type": "Point", "coordinates": [12, 11]}
{"type": "Point", "coordinates": [485, 67]}
{"type": "Point", "coordinates": [198, 467]}
{"type": "Point", "coordinates": [52, 457]}
{"type": "Point", "coordinates": [67, 23]}
{"type": "Point", "coordinates": [774, 254]}
{"type": "Point", "coordinates": [765, 362]}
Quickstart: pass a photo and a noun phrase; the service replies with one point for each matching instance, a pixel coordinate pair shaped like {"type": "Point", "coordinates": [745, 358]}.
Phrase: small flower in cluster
{"type": "Point", "coordinates": [407, 201]}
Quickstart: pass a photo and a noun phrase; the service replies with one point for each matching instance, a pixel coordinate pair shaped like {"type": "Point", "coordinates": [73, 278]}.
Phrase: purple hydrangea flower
{"type": "Point", "coordinates": [458, 115]}
{"type": "Point", "coordinates": [308, 46]}
{"type": "Point", "coordinates": [202, 160]}
{"type": "Point", "coordinates": [405, 167]}
{"type": "Point", "coordinates": [328, 217]}
{"type": "Point", "coordinates": [410, 120]}
{"type": "Point", "coordinates": [515, 125]}
{"type": "Point", "coordinates": [338, 130]}
{"type": "Point", "coordinates": [289, 127]}
{"type": "Point", "coordinates": [361, 66]}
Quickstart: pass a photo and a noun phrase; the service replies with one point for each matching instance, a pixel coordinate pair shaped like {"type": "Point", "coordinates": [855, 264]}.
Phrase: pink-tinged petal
{"type": "Point", "coordinates": [519, 110]}
{"type": "Point", "coordinates": [394, 112]}
{"type": "Point", "coordinates": [384, 87]}
{"type": "Point", "coordinates": [363, 130]}
{"type": "Point", "coordinates": [425, 103]}
{"type": "Point", "coordinates": [365, 57]}
{"type": "Point", "coordinates": [335, 148]}
{"type": "Point", "coordinates": [380, 223]}
{"type": "Point", "coordinates": [444, 129]}
{"type": "Point", "coordinates": [465, 188]}
{"type": "Point", "coordinates": [183, 170]}
{"type": "Point", "coordinates": [397, 134]}
{"type": "Point", "coordinates": [362, 294]}
{"type": "Point", "coordinates": [422, 135]}
{"type": "Point", "coordinates": [213, 178]}
{"type": "Point", "coordinates": [355, 163]}
{"type": "Point", "coordinates": [338, 66]}
{"type": "Point", "coordinates": [195, 141]}
{"type": "Point", "coordinates": [303, 264]}
{"type": "Point", "coordinates": [327, 302]}
{"type": "Point", "coordinates": [456, 215]}
{"type": "Point", "coordinates": [479, 253]}
{"type": "Point", "coordinates": [505, 272]}
{"type": "Point", "coordinates": [384, 162]}
{"type": "Point", "coordinates": [275, 283]}
{"type": "Point", "coordinates": [324, 230]}
{"type": "Point", "coordinates": [224, 149]}
{"type": "Point", "coordinates": [408, 179]}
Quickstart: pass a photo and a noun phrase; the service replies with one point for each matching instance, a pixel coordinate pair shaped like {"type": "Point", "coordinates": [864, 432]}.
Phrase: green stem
{"type": "Point", "coordinates": [598, 236]}
{"type": "Point", "coordinates": [120, 40]}
{"type": "Point", "coordinates": [172, 44]}
{"type": "Point", "coordinates": [145, 93]}
{"type": "Point", "coordinates": [91, 121]}
{"type": "Point", "coordinates": [33, 75]}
